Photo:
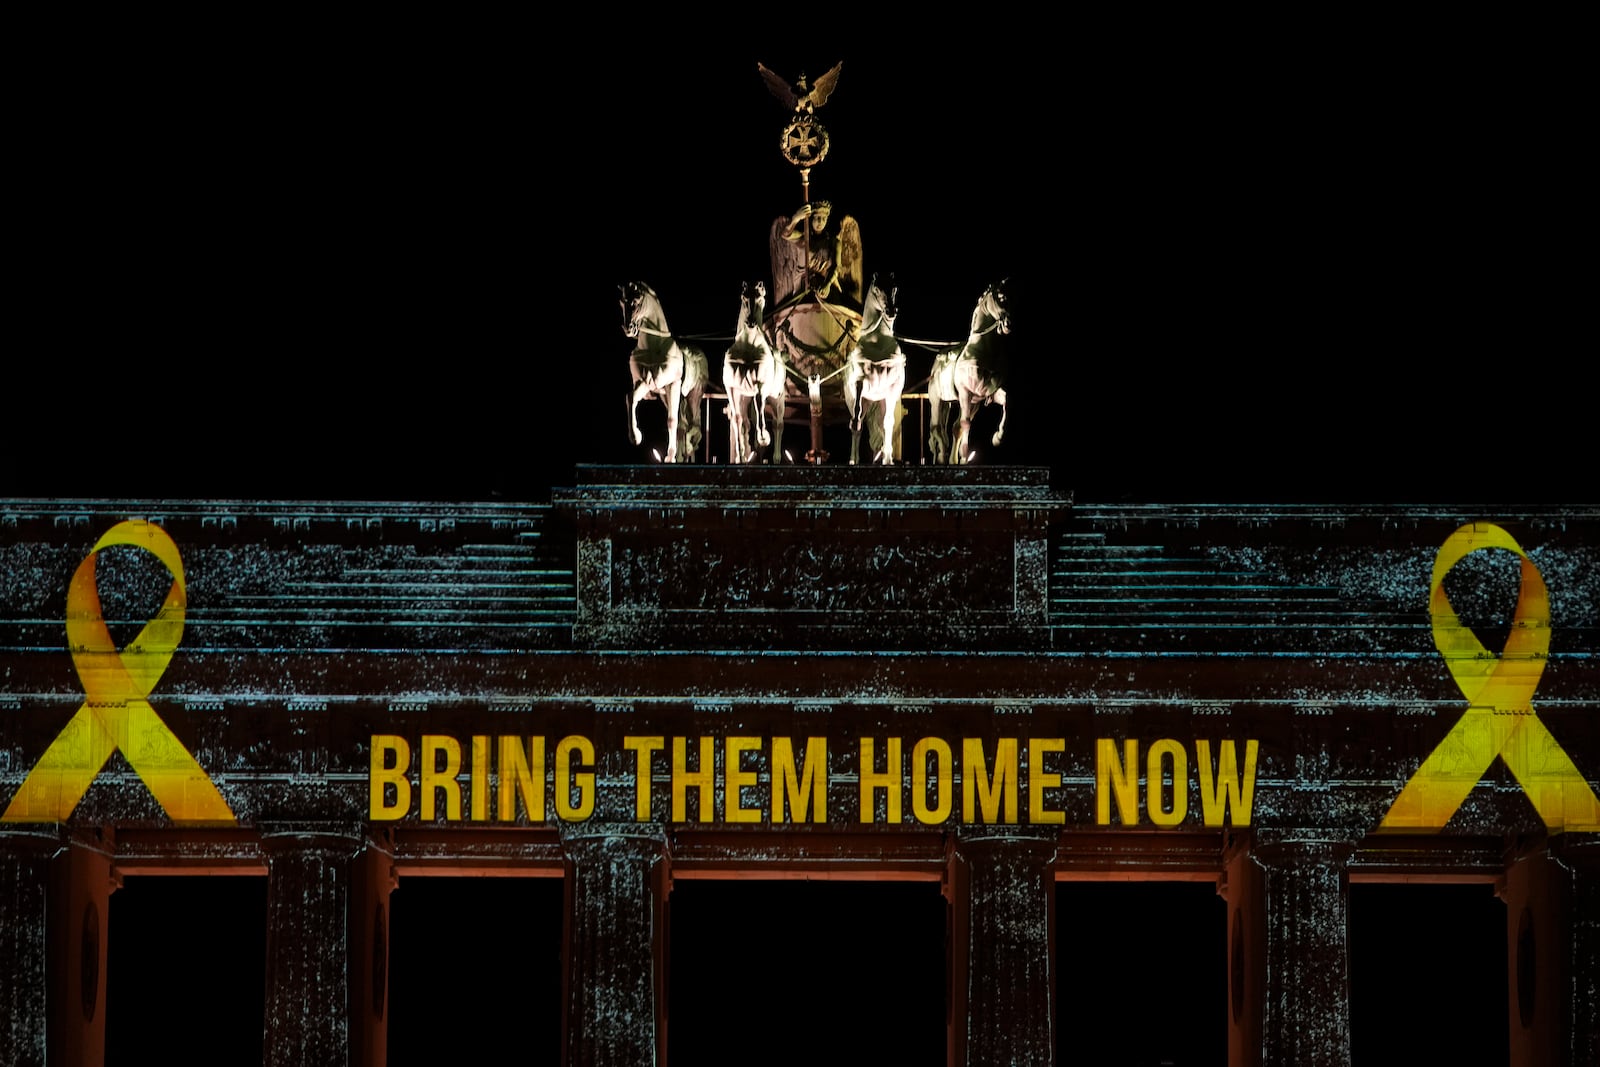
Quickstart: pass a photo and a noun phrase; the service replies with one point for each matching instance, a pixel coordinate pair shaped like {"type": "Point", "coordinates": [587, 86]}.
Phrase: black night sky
{"type": "Point", "coordinates": [1248, 263]}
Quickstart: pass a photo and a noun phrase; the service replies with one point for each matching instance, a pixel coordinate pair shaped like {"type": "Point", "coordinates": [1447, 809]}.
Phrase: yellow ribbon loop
{"type": "Point", "coordinates": [1500, 720]}
{"type": "Point", "coordinates": [116, 715]}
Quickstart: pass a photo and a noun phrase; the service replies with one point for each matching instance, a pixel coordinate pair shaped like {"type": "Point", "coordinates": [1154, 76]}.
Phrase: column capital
{"type": "Point", "coordinates": [586, 839]}
{"type": "Point", "coordinates": [305, 836]}
{"type": "Point", "coordinates": [1576, 852]}
{"type": "Point", "coordinates": [314, 828]}
{"type": "Point", "coordinates": [33, 836]}
{"type": "Point", "coordinates": [1270, 847]}
{"type": "Point", "coordinates": [1028, 841]}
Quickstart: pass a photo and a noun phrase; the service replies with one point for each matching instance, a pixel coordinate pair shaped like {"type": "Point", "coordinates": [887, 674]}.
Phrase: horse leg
{"type": "Point", "coordinates": [852, 400]}
{"type": "Point", "coordinates": [688, 424]}
{"type": "Point", "coordinates": [872, 422]}
{"type": "Point", "coordinates": [938, 441]}
{"type": "Point", "coordinates": [776, 418]}
{"type": "Point", "coordinates": [891, 405]}
{"type": "Point", "coordinates": [758, 402]}
{"type": "Point", "coordinates": [639, 392]}
{"type": "Point", "coordinates": [753, 431]}
{"type": "Point", "coordinates": [671, 396]}
{"type": "Point", "coordinates": [964, 399]}
{"type": "Point", "coordinates": [1000, 398]}
{"type": "Point", "coordinates": [735, 430]}
{"type": "Point", "coordinates": [747, 448]}
{"type": "Point", "coordinates": [691, 433]}
{"type": "Point", "coordinates": [748, 435]}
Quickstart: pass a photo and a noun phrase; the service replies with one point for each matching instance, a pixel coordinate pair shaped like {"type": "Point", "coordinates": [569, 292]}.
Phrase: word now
{"type": "Point", "coordinates": [1118, 779]}
{"type": "Point", "coordinates": [785, 780]}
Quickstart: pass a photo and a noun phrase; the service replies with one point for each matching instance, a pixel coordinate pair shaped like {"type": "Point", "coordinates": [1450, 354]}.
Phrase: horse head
{"type": "Point", "coordinates": [993, 305]}
{"type": "Point", "coordinates": [637, 301]}
{"type": "Point", "coordinates": [881, 305]}
{"type": "Point", "coordinates": [752, 305]}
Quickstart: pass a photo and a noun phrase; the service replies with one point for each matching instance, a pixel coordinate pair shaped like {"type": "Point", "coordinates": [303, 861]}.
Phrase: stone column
{"type": "Point", "coordinates": [25, 855]}
{"type": "Point", "coordinates": [309, 888]}
{"type": "Point", "coordinates": [372, 880]}
{"type": "Point", "coordinates": [614, 948]}
{"type": "Point", "coordinates": [1002, 936]}
{"type": "Point", "coordinates": [1579, 857]}
{"type": "Point", "coordinates": [1305, 1005]}
{"type": "Point", "coordinates": [1242, 888]}
{"type": "Point", "coordinates": [1553, 953]}
{"type": "Point", "coordinates": [80, 902]}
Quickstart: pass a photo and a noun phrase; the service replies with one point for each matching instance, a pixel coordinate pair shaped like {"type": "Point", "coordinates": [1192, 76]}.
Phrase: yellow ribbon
{"type": "Point", "coordinates": [1500, 720]}
{"type": "Point", "coordinates": [116, 715]}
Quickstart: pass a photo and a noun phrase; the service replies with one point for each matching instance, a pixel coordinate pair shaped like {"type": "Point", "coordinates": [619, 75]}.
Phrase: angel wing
{"type": "Point", "coordinates": [851, 278]}
{"type": "Point", "coordinates": [788, 263]}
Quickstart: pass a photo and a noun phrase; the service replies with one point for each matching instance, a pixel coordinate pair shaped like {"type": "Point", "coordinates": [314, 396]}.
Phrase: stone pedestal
{"type": "Point", "coordinates": [833, 557]}
{"type": "Point", "coordinates": [309, 888]}
{"type": "Point", "coordinates": [1305, 1012]}
{"type": "Point", "coordinates": [615, 958]}
{"type": "Point", "coordinates": [25, 858]}
{"type": "Point", "coordinates": [1002, 924]}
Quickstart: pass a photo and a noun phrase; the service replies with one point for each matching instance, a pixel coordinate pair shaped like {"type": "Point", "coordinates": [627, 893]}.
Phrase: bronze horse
{"type": "Point", "coordinates": [663, 367]}
{"type": "Point", "coordinates": [753, 378]}
{"type": "Point", "coordinates": [876, 369]}
{"type": "Point", "coordinates": [970, 377]}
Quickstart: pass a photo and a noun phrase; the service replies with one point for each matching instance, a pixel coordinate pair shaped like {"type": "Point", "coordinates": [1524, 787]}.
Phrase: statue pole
{"type": "Point", "coordinates": [805, 200]}
{"type": "Point", "coordinates": [816, 455]}
{"type": "Point", "coordinates": [805, 144]}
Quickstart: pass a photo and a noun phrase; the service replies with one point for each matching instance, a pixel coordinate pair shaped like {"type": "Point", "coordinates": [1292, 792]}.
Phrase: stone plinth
{"type": "Point", "coordinates": [690, 556]}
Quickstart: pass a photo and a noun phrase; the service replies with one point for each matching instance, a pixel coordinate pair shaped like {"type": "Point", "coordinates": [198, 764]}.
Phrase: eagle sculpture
{"type": "Point", "coordinates": [804, 100]}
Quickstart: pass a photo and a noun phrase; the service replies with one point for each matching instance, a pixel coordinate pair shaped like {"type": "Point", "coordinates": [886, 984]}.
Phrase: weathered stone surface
{"type": "Point", "coordinates": [615, 892]}
{"type": "Point", "coordinates": [1306, 1018]}
{"type": "Point", "coordinates": [1001, 893]}
{"type": "Point", "coordinates": [859, 606]}
{"type": "Point", "coordinates": [25, 855]}
{"type": "Point", "coordinates": [309, 879]}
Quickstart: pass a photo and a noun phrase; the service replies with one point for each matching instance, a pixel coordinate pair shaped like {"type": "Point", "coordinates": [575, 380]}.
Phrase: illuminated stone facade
{"type": "Point", "coordinates": [960, 676]}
